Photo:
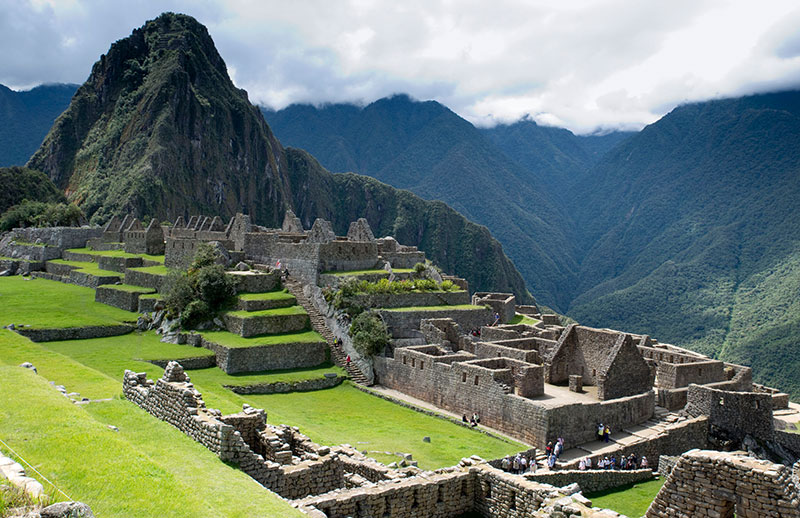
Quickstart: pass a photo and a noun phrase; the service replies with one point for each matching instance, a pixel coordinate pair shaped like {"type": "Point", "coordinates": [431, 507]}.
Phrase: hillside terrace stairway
{"type": "Point", "coordinates": [338, 356]}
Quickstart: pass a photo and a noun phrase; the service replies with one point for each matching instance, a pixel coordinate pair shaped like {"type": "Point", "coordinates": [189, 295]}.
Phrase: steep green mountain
{"type": "Point", "coordinates": [426, 148]}
{"type": "Point", "coordinates": [555, 155]}
{"type": "Point", "coordinates": [690, 233]}
{"type": "Point", "coordinates": [25, 118]}
{"type": "Point", "coordinates": [20, 183]}
{"type": "Point", "coordinates": [159, 129]}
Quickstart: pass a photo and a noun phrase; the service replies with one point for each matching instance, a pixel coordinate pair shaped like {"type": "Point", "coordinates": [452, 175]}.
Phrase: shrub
{"type": "Point", "coordinates": [448, 285]}
{"type": "Point", "coordinates": [40, 214]}
{"type": "Point", "coordinates": [195, 312]}
{"type": "Point", "coordinates": [419, 268]}
{"type": "Point", "coordinates": [196, 295]}
{"type": "Point", "coordinates": [369, 334]}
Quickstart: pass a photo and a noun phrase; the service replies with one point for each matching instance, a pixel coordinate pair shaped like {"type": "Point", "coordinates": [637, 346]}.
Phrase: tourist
{"type": "Point", "coordinates": [523, 464]}
{"type": "Point", "coordinates": [558, 448]}
{"type": "Point", "coordinates": [582, 465]}
{"type": "Point", "coordinates": [600, 429]}
{"type": "Point", "coordinates": [515, 464]}
{"type": "Point", "coordinates": [644, 462]}
{"type": "Point", "coordinates": [347, 361]}
{"type": "Point", "coordinates": [549, 449]}
{"type": "Point", "coordinates": [496, 319]}
{"type": "Point", "coordinates": [623, 463]}
{"type": "Point", "coordinates": [606, 463]}
{"type": "Point", "coordinates": [588, 462]}
{"type": "Point", "coordinates": [464, 418]}
{"type": "Point", "coordinates": [533, 464]}
{"type": "Point", "coordinates": [472, 422]}
{"type": "Point", "coordinates": [476, 418]}
{"type": "Point", "coordinates": [632, 461]}
{"type": "Point", "coordinates": [606, 433]}
{"type": "Point", "coordinates": [551, 462]}
{"type": "Point", "coordinates": [506, 462]}
{"type": "Point", "coordinates": [613, 462]}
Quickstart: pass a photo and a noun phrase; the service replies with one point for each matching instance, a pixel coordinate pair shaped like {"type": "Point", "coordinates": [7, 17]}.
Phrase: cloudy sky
{"type": "Point", "coordinates": [581, 64]}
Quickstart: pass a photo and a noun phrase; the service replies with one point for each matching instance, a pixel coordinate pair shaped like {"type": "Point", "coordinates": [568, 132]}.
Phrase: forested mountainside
{"type": "Point", "coordinates": [690, 232]}
{"type": "Point", "coordinates": [159, 129]}
{"type": "Point", "coordinates": [25, 118]}
{"type": "Point", "coordinates": [687, 231]}
{"type": "Point", "coordinates": [426, 148]}
{"type": "Point", "coordinates": [20, 183]}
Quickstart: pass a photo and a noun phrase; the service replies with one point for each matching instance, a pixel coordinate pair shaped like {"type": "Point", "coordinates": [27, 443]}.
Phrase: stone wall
{"type": "Point", "coordinates": [337, 256]}
{"type": "Point", "coordinates": [465, 387]}
{"type": "Point", "coordinates": [591, 481]}
{"type": "Point", "coordinates": [256, 281]}
{"type": "Point", "coordinates": [122, 299]}
{"type": "Point", "coordinates": [73, 333]}
{"type": "Point", "coordinates": [248, 326]}
{"type": "Point", "coordinates": [233, 438]}
{"type": "Point", "coordinates": [467, 319]}
{"type": "Point", "coordinates": [290, 386]}
{"type": "Point", "coordinates": [606, 359]}
{"type": "Point", "coordinates": [145, 279]}
{"type": "Point", "coordinates": [399, 300]}
{"type": "Point", "coordinates": [59, 237]}
{"type": "Point", "coordinates": [444, 495]}
{"type": "Point", "coordinates": [234, 360]}
{"type": "Point", "coordinates": [504, 304]}
{"type": "Point", "coordinates": [737, 413]}
{"type": "Point", "coordinates": [723, 485]}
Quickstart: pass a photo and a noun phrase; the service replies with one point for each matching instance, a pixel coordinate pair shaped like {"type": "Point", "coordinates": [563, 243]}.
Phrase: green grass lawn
{"type": "Point", "coordinates": [632, 500]}
{"type": "Point", "coordinates": [233, 340]}
{"type": "Point", "coordinates": [90, 268]}
{"type": "Point", "coordinates": [130, 288]}
{"type": "Point", "coordinates": [270, 295]}
{"type": "Point", "coordinates": [291, 310]}
{"type": "Point", "coordinates": [157, 270]}
{"type": "Point", "coordinates": [117, 253]}
{"type": "Point", "coordinates": [524, 319]}
{"type": "Point", "coordinates": [456, 307]}
{"type": "Point", "coordinates": [43, 303]}
{"type": "Point", "coordinates": [147, 468]}
{"type": "Point", "coordinates": [213, 375]}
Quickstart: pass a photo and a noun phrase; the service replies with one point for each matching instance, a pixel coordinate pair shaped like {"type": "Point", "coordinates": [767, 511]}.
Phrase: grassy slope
{"type": "Point", "coordinates": [291, 310]}
{"type": "Point", "coordinates": [117, 253]}
{"type": "Point", "coordinates": [233, 340]}
{"type": "Point", "coordinates": [51, 304]}
{"type": "Point", "coordinates": [148, 468]}
{"type": "Point", "coordinates": [271, 295]}
{"type": "Point", "coordinates": [630, 500]}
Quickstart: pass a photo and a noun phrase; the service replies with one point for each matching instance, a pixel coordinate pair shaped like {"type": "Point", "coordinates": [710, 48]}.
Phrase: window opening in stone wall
{"type": "Point", "coordinates": [594, 372]}
{"type": "Point", "coordinates": [413, 362]}
{"type": "Point", "coordinates": [421, 365]}
{"type": "Point", "coordinates": [513, 503]}
{"type": "Point", "coordinates": [700, 371]}
{"type": "Point", "coordinates": [487, 491]}
{"type": "Point", "coordinates": [755, 403]}
{"type": "Point", "coordinates": [463, 377]}
{"type": "Point", "coordinates": [464, 488]}
{"type": "Point", "coordinates": [476, 380]}
{"type": "Point", "coordinates": [404, 360]}
{"type": "Point", "coordinates": [439, 498]}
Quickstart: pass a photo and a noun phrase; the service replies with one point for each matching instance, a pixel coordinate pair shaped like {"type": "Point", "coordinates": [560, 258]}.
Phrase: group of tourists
{"type": "Point", "coordinates": [624, 463]}
{"type": "Point", "coordinates": [554, 451]}
{"type": "Point", "coordinates": [519, 464]}
{"type": "Point", "coordinates": [473, 421]}
{"type": "Point", "coordinates": [603, 432]}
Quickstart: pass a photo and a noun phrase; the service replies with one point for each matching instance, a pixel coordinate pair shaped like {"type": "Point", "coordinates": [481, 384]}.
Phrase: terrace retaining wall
{"type": "Point", "coordinates": [234, 360]}
{"type": "Point", "coordinates": [74, 333]}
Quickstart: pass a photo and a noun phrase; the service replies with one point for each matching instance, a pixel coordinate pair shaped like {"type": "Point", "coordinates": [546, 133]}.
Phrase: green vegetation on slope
{"type": "Point", "coordinates": [632, 500]}
{"type": "Point", "coordinates": [25, 118]}
{"type": "Point", "coordinates": [20, 183]}
{"type": "Point", "coordinates": [147, 468]}
{"type": "Point", "coordinates": [50, 304]}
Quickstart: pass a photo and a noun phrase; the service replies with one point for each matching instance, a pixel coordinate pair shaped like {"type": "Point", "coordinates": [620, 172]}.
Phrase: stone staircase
{"type": "Point", "coordinates": [338, 356]}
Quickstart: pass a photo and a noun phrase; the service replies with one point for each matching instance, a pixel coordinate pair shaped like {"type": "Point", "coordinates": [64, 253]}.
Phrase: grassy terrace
{"type": "Point", "coordinates": [90, 268]}
{"type": "Point", "coordinates": [130, 288]}
{"type": "Point", "coordinates": [157, 270]}
{"type": "Point", "coordinates": [213, 375]}
{"type": "Point", "coordinates": [368, 272]}
{"type": "Point", "coordinates": [271, 295]}
{"type": "Point", "coordinates": [524, 319]}
{"type": "Point", "coordinates": [147, 468]}
{"type": "Point", "coordinates": [457, 307]}
{"type": "Point", "coordinates": [43, 303]}
{"type": "Point", "coordinates": [233, 340]}
{"type": "Point", "coordinates": [117, 253]}
{"type": "Point", "coordinates": [632, 500]}
{"type": "Point", "coordinates": [291, 310]}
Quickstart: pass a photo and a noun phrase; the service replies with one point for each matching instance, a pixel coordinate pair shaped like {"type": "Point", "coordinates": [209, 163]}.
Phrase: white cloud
{"type": "Point", "coordinates": [582, 64]}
